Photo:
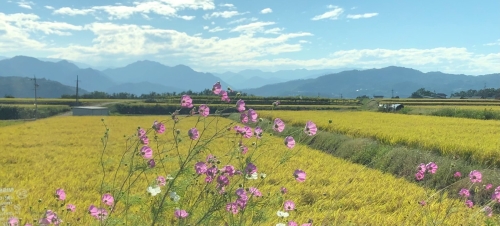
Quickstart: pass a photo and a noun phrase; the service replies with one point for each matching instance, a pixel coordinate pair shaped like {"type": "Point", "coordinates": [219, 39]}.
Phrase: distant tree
{"type": "Point", "coordinates": [422, 92]}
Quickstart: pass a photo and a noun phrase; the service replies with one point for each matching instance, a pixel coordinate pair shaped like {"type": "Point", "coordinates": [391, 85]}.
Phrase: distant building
{"type": "Point", "coordinates": [89, 110]}
{"type": "Point", "coordinates": [441, 95]}
{"type": "Point", "coordinates": [476, 97]}
{"type": "Point", "coordinates": [391, 107]}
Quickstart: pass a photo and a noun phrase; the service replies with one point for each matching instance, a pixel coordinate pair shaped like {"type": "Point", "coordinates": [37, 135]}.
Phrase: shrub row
{"type": "Point", "coordinates": [28, 112]}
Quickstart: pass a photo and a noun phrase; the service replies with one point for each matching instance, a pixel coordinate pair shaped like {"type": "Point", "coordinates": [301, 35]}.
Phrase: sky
{"type": "Point", "coordinates": [461, 37]}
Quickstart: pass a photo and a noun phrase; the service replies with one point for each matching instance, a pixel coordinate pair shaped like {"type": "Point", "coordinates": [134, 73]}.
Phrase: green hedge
{"type": "Point", "coordinates": [22, 112]}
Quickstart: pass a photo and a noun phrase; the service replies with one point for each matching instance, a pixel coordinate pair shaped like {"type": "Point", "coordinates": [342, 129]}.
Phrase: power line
{"type": "Point", "coordinates": [36, 103]}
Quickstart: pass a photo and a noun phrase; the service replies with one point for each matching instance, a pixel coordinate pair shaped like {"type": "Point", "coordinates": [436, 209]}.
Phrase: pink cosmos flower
{"type": "Point", "coordinates": [239, 130]}
{"type": "Point", "coordinates": [151, 163]}
{"type": "Point", "coordinates": [469, 203]}
{"type": "Point", "coordinates": [289, 142]}
{"type": "Point", "coordinates": [457, 174]}
{"type": "Point", "coordinates": [289, 205]}
{"type": "Point", "coordinates": [243, 149]}
{"type": "Point", "coordinates": [279, 125]}
{"type": "Point", "coordinates": [204, 110]}
{"type": "Point", "coordinates": [159, 127]}
{"type": "Point", "coordinates": [419, 176]}
{"type": "Point", "coordinates": [70, 207]}
{"type": "Point", "coordinates": [186, 101]}
{"type": "Point", "coordinates": [310, 128]}
{"type": "Point", "coordinates": [211, 159]}
{"type": "Point", "coordinates": [13, 221]}
{"type": "Point", "coordinates": [216, 88]}
{"type": "Point", "coordinates": [292, 223]}
{"type": "Point", "coordinates": [50, 217]}
{"type": "Point", "coordinates": [488, 186]}
{"type": "Point", "coordinates": [144, 140]}
{"type": "Point", "coordinates": [251, 168]}
{"type": "Point", "coordinates": [146, 152]}
{"type": "Point", "coordinates": [258, 132]}
{"type": "Point", "coordinates": [496, 196]}
{"type": "Point", "coordinates": [229, 170]}
{"type": "Point", "coordinates": [108, 199]}
{"type": "Point", "coordinates": [306, 224]}
{"type": "Point", "coordinates": [161, 181]}
{"type": "Point", "coordinates": [240, 192]}
{"type": "Point", "coordinates": [422, 203]}
{"type": "Point", "coordinates": [431, 167]}
{"type": "Point", "coordinates": [247, 132]}
{"type": "Point", "coordinates": [60, 194]}
{"type": "Point", "coordinates": [488, 211]}
{"type": "Point", "coordinates": [98, 213]}
{"type": "Point", "coordinates": [222, 181]}
{"type": "Point", "coordinates": [283, 190]}
{"type": "Point", "coordinates": [181, 214]}
{"type": "Point", "coordinates": [240, 105]}
{"type": "Point", "coordinates": [224, 96]}
{"type": "Point", "coordinates": [244, 118]}
{"type": "Point", "coordinates": [232, 207]}
{"type": "Point", "coordinates": [200, 167]}
{"type": "Point", "coordinates": [475, 176]}
{"type": "Point", "coordinates": [255, 192]}
{"type": "Point", "coordinates": [421, 168]}
{"type": "Point", "coordinates": [464, 193]}
{"type": "Point", "coordinates": [299, 175]}
{"type": "Point", "coordinates": [242, 202]}
{"type": "Point", "coordinates": [193, 134]}
{"type": "Point", "coordinates": [141, 132]}
{"type": "Point", "coordinates": [252, 115]}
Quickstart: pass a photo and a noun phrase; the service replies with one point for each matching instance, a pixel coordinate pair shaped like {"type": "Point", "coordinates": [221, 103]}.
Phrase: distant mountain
{"type": "Point", "coordinates": [2, 57]}
{"type": "Point", "coordinates": [402, 81]}
{"type": "Point", "coordinates": [142, 88]}
{"type": "Point", "coordinates": [78, 64]}
{"type": "Point", "coordinates": [23, 87]}
{"type": "Point", "coordinates": [256, 78]}
{"type": "Point", "coordinates": [62, 71]}
{"type": "Point", "coordinates": [181, 76]}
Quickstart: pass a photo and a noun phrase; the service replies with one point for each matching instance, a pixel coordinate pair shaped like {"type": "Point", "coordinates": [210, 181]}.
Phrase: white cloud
{"type": "Point", "coordinates": [332, 15]}
{"type": "Point", "coordinates": [497, 43]}
{"type": "Point", "coordinates": [242, 20]}
{"type": "Point", "coordinates": [49, 7]}
{"type": "Point", "coordinates": [266, 10]}
{"type": "Point", "coordinates": [205, 27]}
{"type": "Point", "coordinates": [217, 29]}
{"type": "Point", "coordinates": [359, 16]}
{"type": "Point", "coordinates": [304, 41]}
{"type": "Point", "coordinates": [252, 27]}
{"type": "Point", "coordinates": [167, 8]}
{"type": "Point", "coordinates": [231, 6]}
{"type": "Point", "coordinates": [274, 31]}
{"type": "Point", "coordinates": [224, 14]}
{"type": "Point", "coordinates": [25, 4]}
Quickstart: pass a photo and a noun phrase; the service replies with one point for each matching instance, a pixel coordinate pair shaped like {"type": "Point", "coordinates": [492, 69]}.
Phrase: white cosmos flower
{"type": "Point", "coordinates": [282, 214]}
{"type": "Point", "coordinates": [263, 175]}
{"type": "Point", "coordinates": [169, 177]}
{"type": "Point", "coordinates": [154, 190]}
{"type": "Point", "coordinates": [174, 196]}
{"type": "Point", "coordinates": [280, 224]}
{"type": "Point", "coordinates": [253, 176]}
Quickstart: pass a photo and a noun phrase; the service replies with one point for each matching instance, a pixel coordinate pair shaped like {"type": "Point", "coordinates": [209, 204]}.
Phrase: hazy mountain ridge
{"type": "Point", "coordinates": [24, 87]}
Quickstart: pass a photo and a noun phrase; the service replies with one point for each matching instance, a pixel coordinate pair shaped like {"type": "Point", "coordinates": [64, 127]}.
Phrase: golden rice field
{"type": "Point", "coordinates": [452, 136]}
{"type": "Point", "coordinates": [481, 107]}
{"type": "Point", "coordinates": [63, 152]}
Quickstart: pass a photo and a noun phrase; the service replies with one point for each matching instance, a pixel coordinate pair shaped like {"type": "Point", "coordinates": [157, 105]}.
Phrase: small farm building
{"type": "Point", "coordinates": [90, 110]}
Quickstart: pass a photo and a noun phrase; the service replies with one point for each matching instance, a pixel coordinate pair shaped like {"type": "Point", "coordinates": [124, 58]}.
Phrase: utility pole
{"type": "Point", "coordinates": [392, 95]}
{"type": "Point", "coordinates": [77, 90]}
{"type": "Point", "coordinates": [36, 104]}
{"type": "Point", "coordinates": [341, 96]}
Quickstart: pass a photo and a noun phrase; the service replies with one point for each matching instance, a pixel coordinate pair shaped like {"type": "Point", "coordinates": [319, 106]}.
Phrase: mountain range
{"type": "Point", "coordinates": [24, 87]}
{"type": "Point", "coordinates": [146, 76]}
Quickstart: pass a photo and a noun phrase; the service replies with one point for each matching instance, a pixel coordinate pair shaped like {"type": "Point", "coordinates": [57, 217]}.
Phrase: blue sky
{"type": "Point", "coordinates": [218, 36]}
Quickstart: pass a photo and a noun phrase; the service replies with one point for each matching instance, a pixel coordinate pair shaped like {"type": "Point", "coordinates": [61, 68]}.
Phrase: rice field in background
{"type": "Point", "coordinates": [62, 152]}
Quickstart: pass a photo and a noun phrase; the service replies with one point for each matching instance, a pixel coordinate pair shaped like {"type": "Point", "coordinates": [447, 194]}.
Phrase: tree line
{"type": "Point", "coordinates": [151, 95]}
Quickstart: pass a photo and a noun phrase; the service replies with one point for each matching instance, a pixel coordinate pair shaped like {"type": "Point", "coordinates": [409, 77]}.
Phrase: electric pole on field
{"type": "Point", "coordinates": [77, 90]}
{"type": "Point", "coordinates": [392, 95]}
{"type": "Point", "coordinates": [36, 104]}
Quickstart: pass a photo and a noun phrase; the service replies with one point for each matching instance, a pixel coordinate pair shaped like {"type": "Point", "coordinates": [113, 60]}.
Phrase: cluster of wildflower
{"type": "Point", "coordinates": [422, 168]}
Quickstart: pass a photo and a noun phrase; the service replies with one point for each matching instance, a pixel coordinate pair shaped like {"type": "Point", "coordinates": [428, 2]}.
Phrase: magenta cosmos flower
{"type": "Point", "coordinates": [469, 203]}
{"type": "Point", "coordinates": [488, 186]}
{"type": "Point", "coordinates": [60, 194]}
{"type": "Point", "coordinates": [289, 142]}
{"type": "Point", "coordinates": [279, 125]}
{"type": "Point", "coordinates": [421, 168]}
{"type": "Point", "coordinates": [457, 174]}
{"type": "Point", "coordinates": [193, 134]}
{"type": "Point", "coordinates": [108, 199]}
{"type": "Point", "coordinates": [71, 207]}
{"type": "Point", "coordinates": [252, 115]}
{"type": "Point", "coordinates": [151, 163]}
{"type": "Point", "coordinates": [159, 127]}
{"type": "Point", "coordinates": [144, 140]}
{"type": "Point", "coordinates": [232, 207]}
{"type": "Point", "coordinates": [299, 175]}
{"type": "Point", "coordinates": [247, 132]}
{"type": "Point", "coordinates": [98, 213]}
{"type": "Point", "coordinates": [283, 190]}
{"type": "Point", "coordinates": [224, 96]}
{"type": "Point", "coordinates": [141, 132]}
{"type": "Point", "coordinates": [475, 176]}
{"type": "Point", "coordinates": [258, 132]}
{"type": "Point", "coordinates": [146, 152]}
{"type": "Point", "coordinates": [289, 205]}
{"type": "Point", "coordinates": [251, 168]}
{"type": "Point", "coordinates": [244, 118]}
{"type": "Point", "coordinates": [13, 221]}
{"type": "Point", "coordinates": [216, 88]}
{"type": "Point", "coordinates": [464, 193]}
{"type": "Point", "coordinates": [186, 101]}
{"type": "Point", "coordinates": [200, 167]}
{"type": "Point", "coordinates": [255, 192]}
{"type": "Point", "coordinates": [161, 181]}
{"type": "Point", "coordinates": [431, 167]}
{"type": "Point", "coordinates": [310, 128]}
{"type": "Point", "coordinates": [181, 214]}
{"type": "Point", "coordinates": [240, 105]}
{"type": "Point", "coordinates": [419, 176]}
{"type": "Point", "coordinates": [243, 149]}
{"type": "Point", "coordinates": [204, 110]}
